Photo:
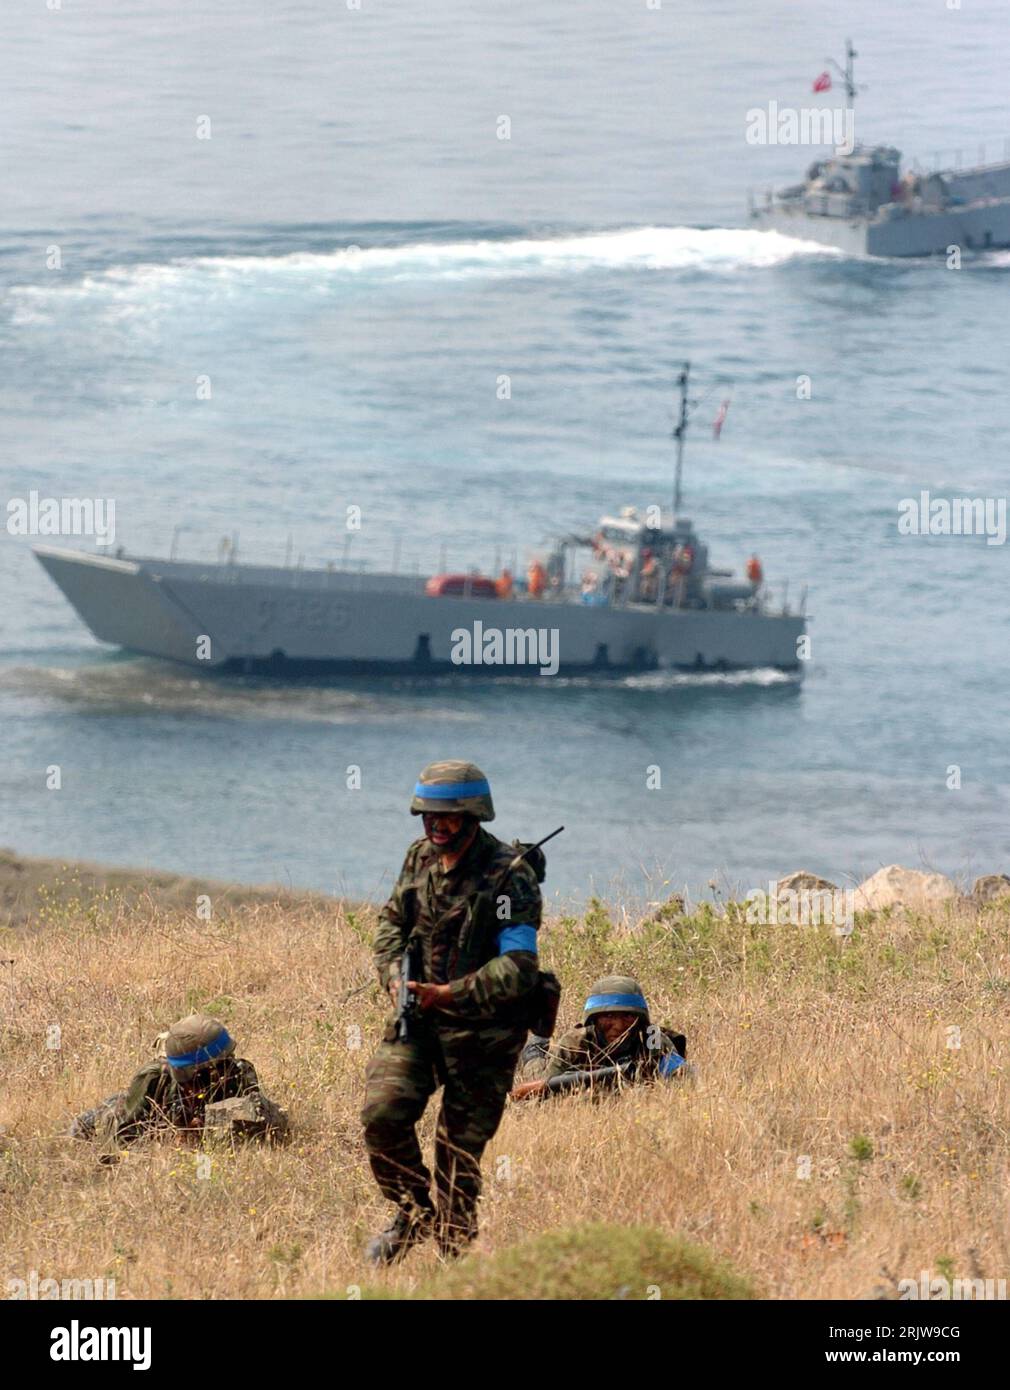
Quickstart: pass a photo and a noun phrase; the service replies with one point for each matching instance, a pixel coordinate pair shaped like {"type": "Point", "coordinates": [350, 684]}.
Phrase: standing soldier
{"type": "Point", "coordinates": [469, 921]}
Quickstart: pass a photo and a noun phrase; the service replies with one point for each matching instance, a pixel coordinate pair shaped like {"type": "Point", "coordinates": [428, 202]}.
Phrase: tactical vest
{"type": "Point", "coordinates": [461, 939]}
{"type": "Point", "coordinates": [458, 940]}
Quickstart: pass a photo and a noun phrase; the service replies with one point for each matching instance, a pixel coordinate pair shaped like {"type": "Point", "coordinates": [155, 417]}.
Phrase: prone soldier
{"type": "Point", "coordinates": [616, 1043]}
{"type": "Point", "coordinates": [191, 1080]}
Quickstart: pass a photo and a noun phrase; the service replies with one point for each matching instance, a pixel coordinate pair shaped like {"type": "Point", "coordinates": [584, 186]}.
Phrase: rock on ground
{"type": "Point", "coordinates": [803, 882]}
{"type": "Point", "coordinates": [990, 887]}
{"type": "Point", "coordinates": [899, 887]}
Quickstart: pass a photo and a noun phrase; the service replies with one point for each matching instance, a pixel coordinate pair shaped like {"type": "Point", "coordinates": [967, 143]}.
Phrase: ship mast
{"type": "Point", "coordinates": [679, 434]}
{"type": "Point", "coordinates": [848, 72]}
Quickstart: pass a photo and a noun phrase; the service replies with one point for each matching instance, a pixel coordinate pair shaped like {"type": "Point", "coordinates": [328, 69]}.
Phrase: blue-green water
{"type": "Point", "coordinates": [354, 259]}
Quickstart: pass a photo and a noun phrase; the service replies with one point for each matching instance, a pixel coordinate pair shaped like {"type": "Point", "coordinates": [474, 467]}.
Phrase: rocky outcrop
{"type": "Point", "coordinates": [803, 882]}
{"type": "Point", "coordinates": [990, 888]}
{"type": "Point", "coordinates": [805, 898]}
{"type": "Point", "coordinates": [898, 887]}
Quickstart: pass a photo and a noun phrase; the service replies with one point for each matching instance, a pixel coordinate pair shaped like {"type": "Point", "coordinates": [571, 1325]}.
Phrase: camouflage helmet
{"type": "Point", "coordinates": [615, 994]}
{"type": "Point", "coordinates": [454, 787]}
{"type": "Point", "coordinates": [193, 1042]}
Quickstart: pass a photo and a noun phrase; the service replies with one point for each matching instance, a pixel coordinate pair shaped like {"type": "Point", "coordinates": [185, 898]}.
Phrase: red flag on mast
{"type": "Point", "coordinates": [823, 83]}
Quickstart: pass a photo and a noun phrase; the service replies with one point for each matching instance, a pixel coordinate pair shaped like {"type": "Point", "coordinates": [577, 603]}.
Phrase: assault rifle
{"type": "Point", "coordinates": [407, 1007]}
{"type": "Point", "coordinates": [604, 1078]}
{"type": "Point", "coordinates": [524, 852]}
{"type": "Point", "coordinates": [483, 913]}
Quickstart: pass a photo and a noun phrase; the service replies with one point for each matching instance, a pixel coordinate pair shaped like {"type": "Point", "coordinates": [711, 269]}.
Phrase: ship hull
{"type": "Point", "coordinates": [292, 622]}
{"type": "Point", "coordinates": [980, 227]}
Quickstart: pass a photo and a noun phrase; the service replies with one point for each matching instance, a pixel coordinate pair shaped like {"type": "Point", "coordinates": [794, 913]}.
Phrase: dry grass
{"type": "Point", "coordinates": [34, 890]}
{"type": "Point", "coordinates": [807, 1044]}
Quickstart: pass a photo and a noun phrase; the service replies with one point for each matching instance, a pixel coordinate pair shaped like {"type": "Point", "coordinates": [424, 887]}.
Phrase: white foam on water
{"type": "Point", "coordinates": [717, 250]}
{"type": "Point", "coordinates": [986, 260]}
{"type": "Point", "coordinates": [661, 680]}
{"type": "Point", "coordinates": [671, 680]}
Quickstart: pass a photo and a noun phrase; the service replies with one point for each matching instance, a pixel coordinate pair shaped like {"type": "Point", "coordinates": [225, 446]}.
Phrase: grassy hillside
{"type": "Point", "coordinates": [832, 1143]}
{"type": "Point", "coordinates": [33, 889]}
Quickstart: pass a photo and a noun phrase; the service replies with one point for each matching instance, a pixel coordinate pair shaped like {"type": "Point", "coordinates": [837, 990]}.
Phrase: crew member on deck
{"type": "Point", "coordinates": [536, 579]}
{"type": "Point", "coordinates": [648, 577]}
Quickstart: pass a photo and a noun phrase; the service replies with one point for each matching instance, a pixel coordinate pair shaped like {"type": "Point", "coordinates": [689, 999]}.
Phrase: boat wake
{"type": "Point", "coordinates": [758, 678]}
{"type": "Point", "coordinates": [714, 249]}
{"type": "Point", "coordinates": [673, 680]}
{"type": "Point", "coordinates": [141, 687]}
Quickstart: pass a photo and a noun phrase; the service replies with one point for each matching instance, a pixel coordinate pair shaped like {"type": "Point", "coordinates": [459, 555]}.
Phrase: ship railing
{"type": "Point", "coordinates": [298, 568]}
{"type": "Point", "coordinates": [772, 600]}
{"type": "Point", "coordinates": [978, 156]}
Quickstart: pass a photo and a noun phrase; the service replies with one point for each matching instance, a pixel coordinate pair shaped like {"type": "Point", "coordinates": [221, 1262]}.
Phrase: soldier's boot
{"type": "Point", "coordinates": [455, 1229]}
{"type": "Point", "coordinates": [409, 1226]}
{"type": "Point", "coordinates": [93, 1121]}
{"type": "Point", "coordinates": [533, 1060]}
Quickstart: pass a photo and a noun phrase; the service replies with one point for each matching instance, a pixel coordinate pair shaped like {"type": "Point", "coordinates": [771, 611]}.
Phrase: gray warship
{"type": "Point", "coordinates": [635, 594]}
{"type": "Point", "coordinates": [860, 202]}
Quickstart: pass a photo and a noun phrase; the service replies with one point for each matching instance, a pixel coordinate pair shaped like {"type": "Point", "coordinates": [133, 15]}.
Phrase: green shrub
{"type": "Point", "coordinates": [593, 1261]}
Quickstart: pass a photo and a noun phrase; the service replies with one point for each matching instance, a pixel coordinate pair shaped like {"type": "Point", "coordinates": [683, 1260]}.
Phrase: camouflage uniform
{"type": "Point", "coordinates": [484, 947]}
{"type": "Point", "coordinates": [656, 1050]}
{"type": "Point", "coordinates": [155, 1099]}
{"type": "Point", "coordinates": [582, 1049]}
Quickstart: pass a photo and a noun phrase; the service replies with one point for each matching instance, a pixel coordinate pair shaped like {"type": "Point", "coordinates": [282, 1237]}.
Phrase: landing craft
{"type": "Point", "coordinates": [859, 201]}
{"type": "Point", "coordinates": [647, 599]}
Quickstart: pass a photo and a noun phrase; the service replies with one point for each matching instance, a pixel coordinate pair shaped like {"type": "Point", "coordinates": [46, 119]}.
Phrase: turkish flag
{"type": "Point", "coordinates": [823, 83]}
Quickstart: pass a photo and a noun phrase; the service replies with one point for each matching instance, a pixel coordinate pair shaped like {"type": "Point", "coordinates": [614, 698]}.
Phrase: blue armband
{"type": "Point", "coordinates": [670, 1064]}
{"type": "Point", "coordinates": [517, 937]}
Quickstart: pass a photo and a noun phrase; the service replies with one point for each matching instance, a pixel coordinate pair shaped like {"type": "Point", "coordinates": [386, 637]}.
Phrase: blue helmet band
{"type": "Point", "coordinates": [616, 1001]}
{"type": "Point", "coordinates": [450, 791]}
{"type": "Point", "coordinates": [202, 1054]}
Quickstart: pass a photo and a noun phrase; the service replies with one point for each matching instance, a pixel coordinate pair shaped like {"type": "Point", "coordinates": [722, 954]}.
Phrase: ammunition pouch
{"type": "Point", "coordinates": [477, 933]}
{"type": "Point", "coordinates": [543, 1003]}
{"type": "Point", "coordinates": [678, 1039]}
